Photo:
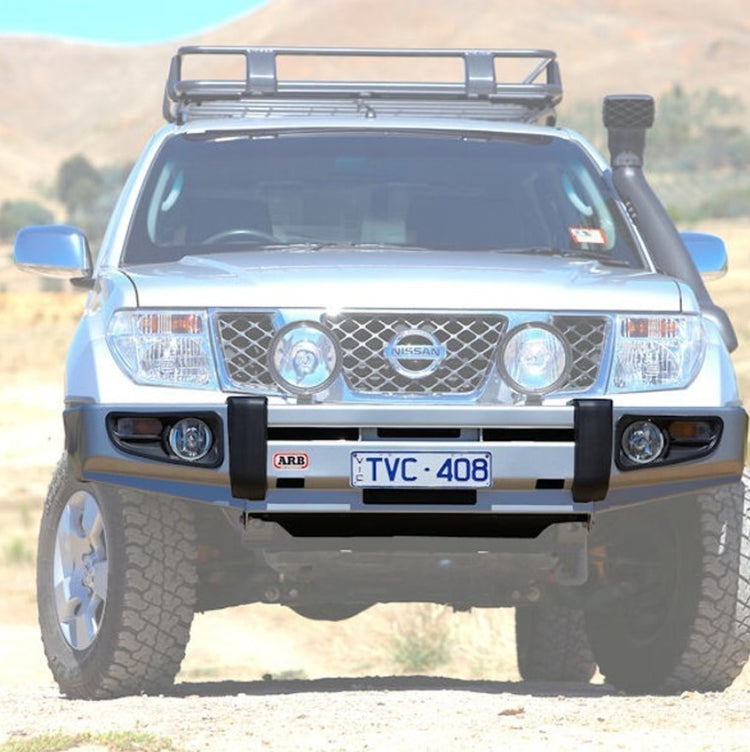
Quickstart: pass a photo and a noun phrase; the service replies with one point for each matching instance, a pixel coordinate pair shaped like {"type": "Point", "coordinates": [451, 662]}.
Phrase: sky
{"type": "Point", "coordinates": [110, 22]}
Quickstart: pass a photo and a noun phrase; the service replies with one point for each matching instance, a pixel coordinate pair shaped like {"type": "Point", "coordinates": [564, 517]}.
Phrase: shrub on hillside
{"type": "Point", "coordinates": [17, 214]}
{"type": "Point", "coordinates": [89, 193]}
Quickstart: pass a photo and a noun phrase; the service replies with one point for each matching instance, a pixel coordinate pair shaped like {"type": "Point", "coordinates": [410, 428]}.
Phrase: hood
{"type": "Point", "coordinates": [400, 279]}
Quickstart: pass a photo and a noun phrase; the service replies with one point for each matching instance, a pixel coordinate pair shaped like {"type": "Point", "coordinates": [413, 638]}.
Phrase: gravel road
{"type": "Point", "coordinates": [429, 714]}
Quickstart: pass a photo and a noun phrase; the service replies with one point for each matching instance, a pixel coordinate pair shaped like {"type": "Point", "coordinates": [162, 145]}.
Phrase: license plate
{"type": "Point", "coordinates": [421, 469]}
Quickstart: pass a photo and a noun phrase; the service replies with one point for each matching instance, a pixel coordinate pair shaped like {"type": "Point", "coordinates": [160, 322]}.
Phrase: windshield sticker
{"type": "Point", "coordinates": [588, 235]}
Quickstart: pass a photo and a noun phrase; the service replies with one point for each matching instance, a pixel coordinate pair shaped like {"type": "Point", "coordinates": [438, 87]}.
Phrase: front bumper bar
{"type": "Point", "coordinates": [547, 459]}
{"type": "Point", "coordinates": [248, 442]}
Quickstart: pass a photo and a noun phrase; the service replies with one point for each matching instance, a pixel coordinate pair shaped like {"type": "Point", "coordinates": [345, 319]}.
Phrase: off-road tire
{"type": "Point", "coordinates": [551, 644]}
{"type": "Point", "coordinates": [151, 592]}
{"type": "Point", "coordinates": [699, 637]}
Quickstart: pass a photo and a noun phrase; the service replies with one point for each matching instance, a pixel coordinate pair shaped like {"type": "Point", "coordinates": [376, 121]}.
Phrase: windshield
{"type": "Point", "coordinates": [217, 193]}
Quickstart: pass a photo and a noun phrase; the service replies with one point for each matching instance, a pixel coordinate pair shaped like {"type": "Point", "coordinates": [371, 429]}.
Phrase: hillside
{"type": "Point", "coordinates": [60, 97]}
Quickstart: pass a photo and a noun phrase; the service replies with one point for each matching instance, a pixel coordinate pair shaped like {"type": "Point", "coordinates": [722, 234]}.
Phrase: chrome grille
{"type": "Point", "coordinates": [470, 342]}
{"type": "Point", "coordinates": [244, 340]}
{"type": "Point", "coordinates": [586, 336]}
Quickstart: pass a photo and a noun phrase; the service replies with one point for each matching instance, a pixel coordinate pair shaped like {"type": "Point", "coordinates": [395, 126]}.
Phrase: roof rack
{"type": "Point", "coordinates": [260, 93]}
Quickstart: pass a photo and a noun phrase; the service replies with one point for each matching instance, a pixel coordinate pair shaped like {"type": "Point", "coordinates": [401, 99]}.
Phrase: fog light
{"type": "Point", "coordinates": [642, 442]}
{"type": "Point", "coordinates": [190, 439]}
{"type": "Point", "coordinates": [304, 358]}
{"type": "Point", "coordinates": [535, 359]}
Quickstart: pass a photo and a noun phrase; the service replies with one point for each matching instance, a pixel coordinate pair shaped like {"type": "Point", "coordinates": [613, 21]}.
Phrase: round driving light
{"type": "Point", "coordinates": [534, 359]}
{"type": "Point", "coordinates": [304, 358]}
{"type": "Point", "coordinates": [190, 439]}
{"type": "Point", "coordinates": [642, 442]}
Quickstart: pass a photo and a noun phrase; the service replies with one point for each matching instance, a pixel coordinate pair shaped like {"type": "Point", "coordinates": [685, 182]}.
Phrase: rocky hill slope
{"type": "Point", "coordinates": [60, 97]}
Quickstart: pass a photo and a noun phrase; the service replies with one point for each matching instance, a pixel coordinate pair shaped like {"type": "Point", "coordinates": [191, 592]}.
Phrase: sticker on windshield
{"type": "Point", "coordinates": [588, 235]}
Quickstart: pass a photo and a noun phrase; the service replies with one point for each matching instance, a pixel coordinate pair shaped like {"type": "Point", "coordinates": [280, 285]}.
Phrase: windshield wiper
{"type": "Point", "coordinates": [603, 258]}
{"type": "Point", "coordinates": [370, 246]}
{"type": "Point", "coordinates": [323, 246]}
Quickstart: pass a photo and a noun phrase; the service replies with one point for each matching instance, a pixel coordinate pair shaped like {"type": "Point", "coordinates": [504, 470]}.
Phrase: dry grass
{"type": "Point", "coordinates": [113, 741]}
{"type": "Point", "coordinates": [35, 331]}
{"type": "Point", "coordinates": [733, 292]}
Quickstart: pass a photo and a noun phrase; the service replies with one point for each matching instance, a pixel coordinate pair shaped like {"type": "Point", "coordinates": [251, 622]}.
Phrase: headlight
{"type": "Point", "coordinates": [656, 352]}
{"type": "Point", "coordinates": [163, 348]}
{"type": "Point", "coordinates": [304, 358]}
{"type": "Point", "coordinates": [534, 359]}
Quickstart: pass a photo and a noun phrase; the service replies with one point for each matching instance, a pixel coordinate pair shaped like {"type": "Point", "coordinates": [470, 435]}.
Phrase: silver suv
{"type": "Point", "coordinates": [358, 342]}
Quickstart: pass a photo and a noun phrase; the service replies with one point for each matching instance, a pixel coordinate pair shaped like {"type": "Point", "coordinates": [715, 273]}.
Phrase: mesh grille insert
{"type": "Point", "coordinates": [470, 343]}
{"type": "Point", "coordinates": [244, 340]}
{"type": "Point", "coordinates": [586, 336]}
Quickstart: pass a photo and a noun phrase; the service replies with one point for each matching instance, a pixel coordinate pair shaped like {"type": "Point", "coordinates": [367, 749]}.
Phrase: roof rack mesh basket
{"type": "Point", "coordinates": [262, 93]}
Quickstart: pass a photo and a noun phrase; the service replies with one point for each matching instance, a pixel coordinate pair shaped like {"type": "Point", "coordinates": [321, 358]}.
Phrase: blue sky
{"type": "Point", "coordinates": [115, 21]}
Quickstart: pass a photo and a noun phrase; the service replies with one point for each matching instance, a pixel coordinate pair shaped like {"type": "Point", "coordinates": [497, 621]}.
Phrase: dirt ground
{"type": "Point", "coordinates": [262, 677]}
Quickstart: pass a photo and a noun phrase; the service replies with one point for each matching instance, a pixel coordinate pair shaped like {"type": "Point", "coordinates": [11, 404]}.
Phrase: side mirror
{"type": "Point", "coordinates": [708, 252]}
{"type": "Point", "coordinates": [53, 251]}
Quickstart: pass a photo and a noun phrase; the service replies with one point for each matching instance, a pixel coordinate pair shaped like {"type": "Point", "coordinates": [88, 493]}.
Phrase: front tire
{"type": "Point", "coordinates": [551, 644]}
{"type": "Point", "coordinates": [116, 587]}
{"type": "Point", "coordinates": [680, 572]}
